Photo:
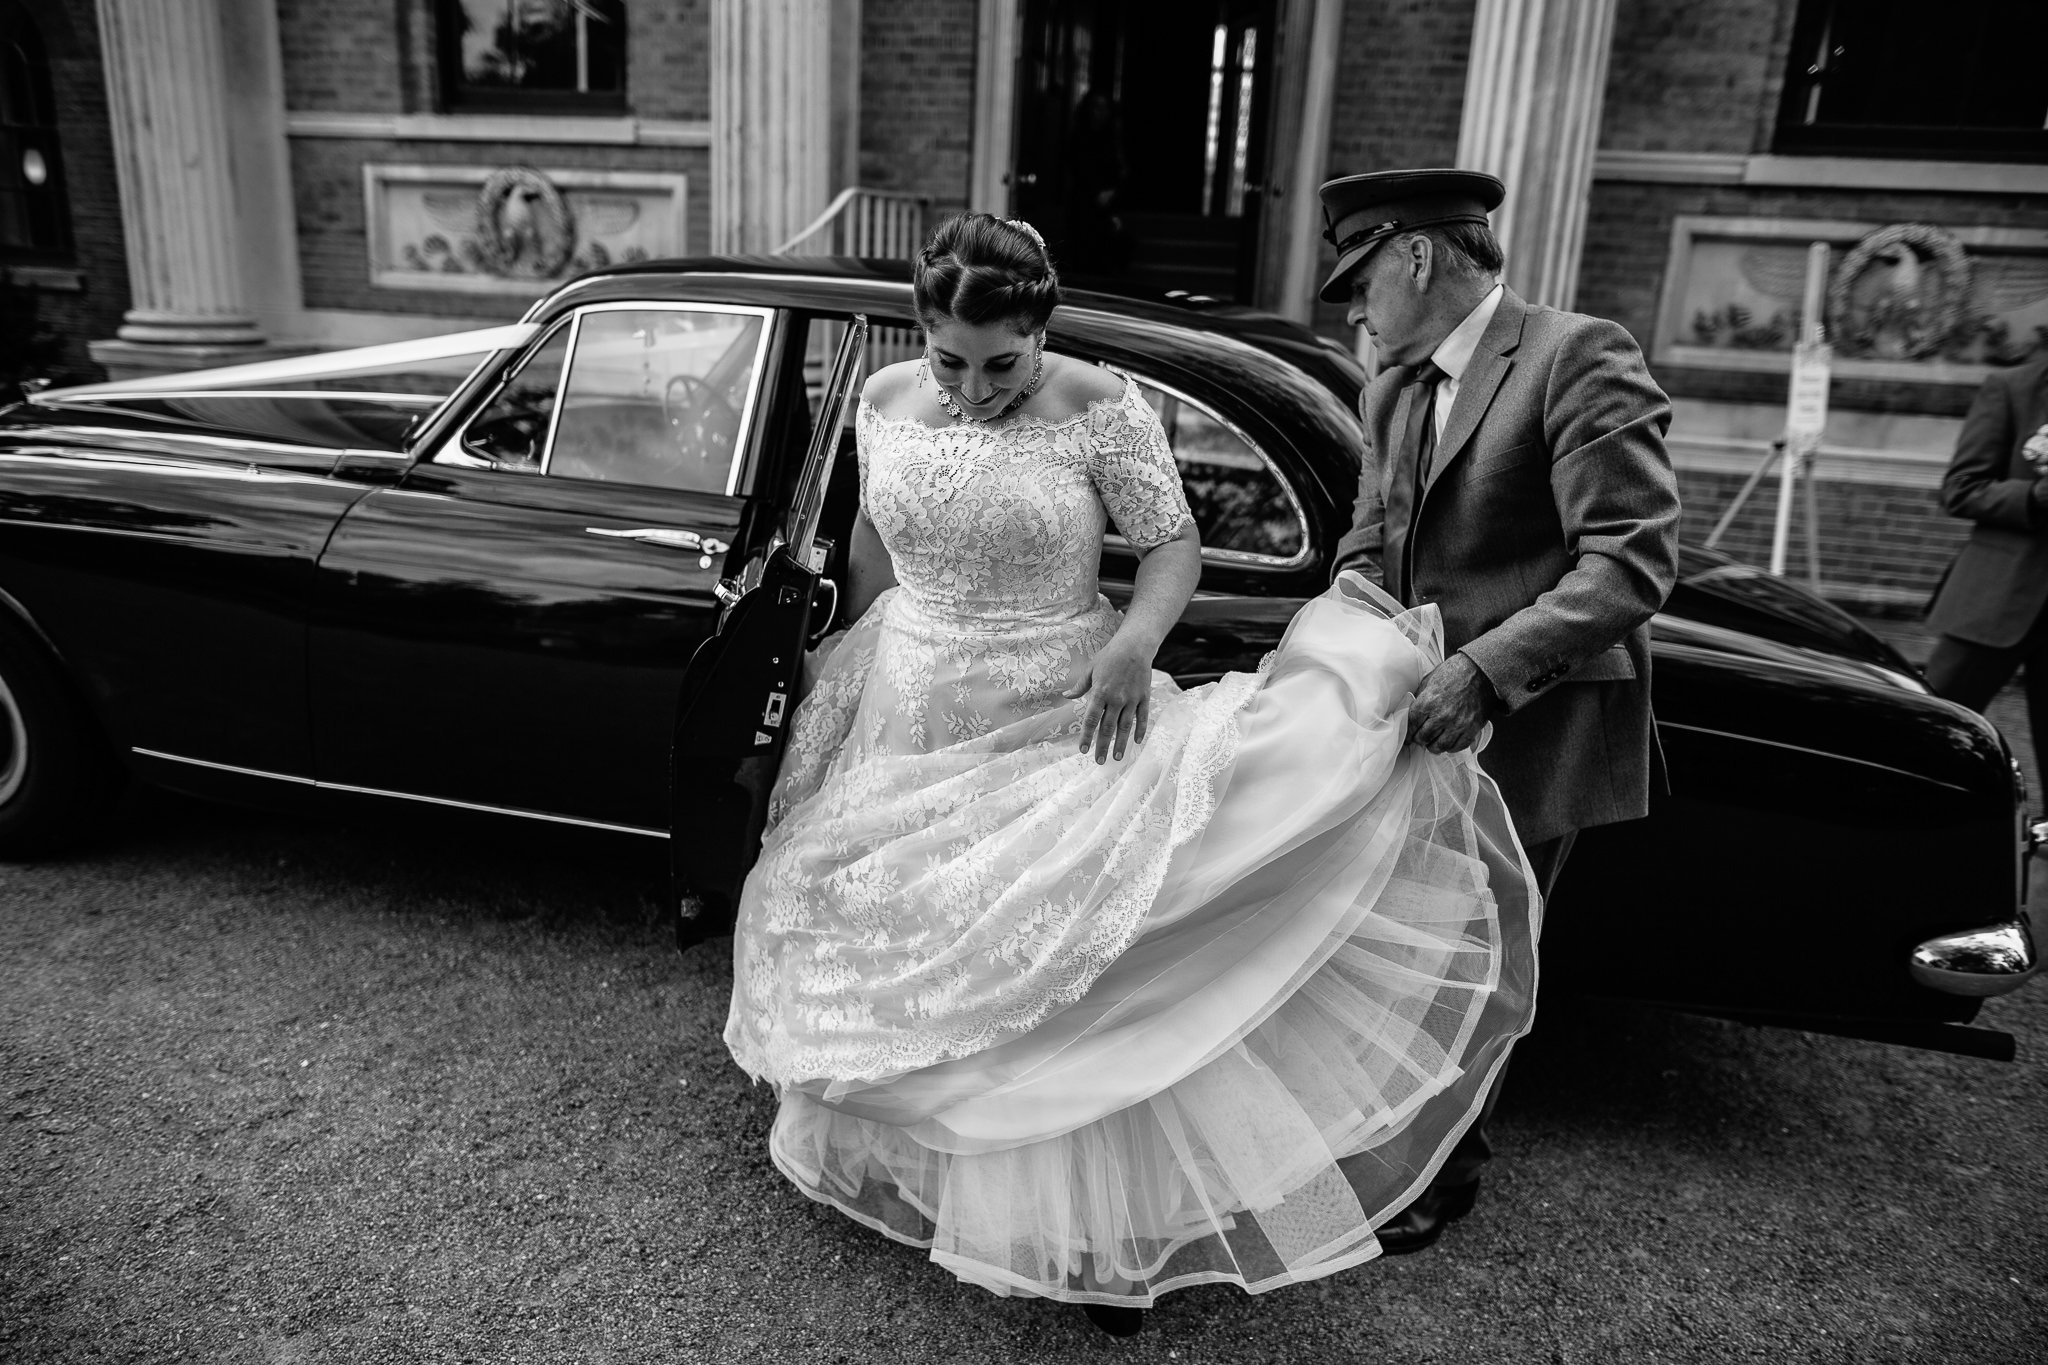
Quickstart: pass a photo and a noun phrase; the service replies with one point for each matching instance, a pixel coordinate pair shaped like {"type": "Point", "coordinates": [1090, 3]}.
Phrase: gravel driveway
{"type": "Point", "coordinates": [285, 1089]}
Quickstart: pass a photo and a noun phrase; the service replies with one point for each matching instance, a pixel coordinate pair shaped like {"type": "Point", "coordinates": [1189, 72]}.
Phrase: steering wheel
{"type": "Point", "coordinates": [700, 421]}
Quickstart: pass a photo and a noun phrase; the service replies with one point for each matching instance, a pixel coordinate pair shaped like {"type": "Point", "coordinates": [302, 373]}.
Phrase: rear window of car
{"type": "Point", "coordinates": [1242, 505]}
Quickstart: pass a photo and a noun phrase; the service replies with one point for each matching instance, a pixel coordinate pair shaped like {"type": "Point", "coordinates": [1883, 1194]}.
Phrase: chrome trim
{"type": "Point", "coordinates": [746, 431]}
{"type": "Point", "coordinates": [14, 763]}
{"type": "Point", "coordinates": [1818, 753]}
{"type": "Point", "coordinates": [1247, 557]}
{"type": "Point", "coordinates": [1977, 962]}
{"type": "Point", "coordinates": [145, 448]}
{"type": "Point", "coordinates": [1216, 554]}
{"type": "Point", "coordinates": [801, 525]}
{"type": "Point", "coordinates": [405, 796]}
{"type": "Point", "coordinates": [547, 450]}
{"type": "Point", "coordinates": [224, 767]}
{"type": "Point", "coordinates": [455, 450]}
{"type": "Point", "coordinates": [662, 535]}
{"type": "Point", "coordinates": [831, 612]}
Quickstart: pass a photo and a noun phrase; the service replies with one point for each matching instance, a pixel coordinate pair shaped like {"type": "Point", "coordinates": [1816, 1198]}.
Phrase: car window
{"type": "Point", "coordinates": [1240, 502]}
{"type": "Point", "coordinates": [657, 396]}
{"type": "Point", "coordinates": [511, 432]}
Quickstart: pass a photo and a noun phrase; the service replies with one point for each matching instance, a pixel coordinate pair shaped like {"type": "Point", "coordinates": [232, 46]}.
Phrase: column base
{"type": "Point", "coordinates": [144, 360]}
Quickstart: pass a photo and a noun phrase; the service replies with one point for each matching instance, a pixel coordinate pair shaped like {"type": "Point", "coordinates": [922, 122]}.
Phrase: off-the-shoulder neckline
{"type": "Point", "coordinates": [1016, 423]}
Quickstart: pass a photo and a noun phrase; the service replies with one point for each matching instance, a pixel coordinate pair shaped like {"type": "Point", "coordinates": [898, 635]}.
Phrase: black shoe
{"type": "Point", "coordinates": [1417, 1227]}
{"type": "Point", "coordinates": [1114, 1319]}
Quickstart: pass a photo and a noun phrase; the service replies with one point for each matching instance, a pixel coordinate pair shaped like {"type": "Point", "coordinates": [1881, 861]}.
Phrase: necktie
{"type": "Point", "coordinates": [1405, 474]}
{"type": "Point", "coordinates": [1419, 443]}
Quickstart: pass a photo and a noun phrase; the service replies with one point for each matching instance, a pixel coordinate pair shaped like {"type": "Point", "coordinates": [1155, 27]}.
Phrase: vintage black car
{"type": "Point", "coordinates": [564, 571]}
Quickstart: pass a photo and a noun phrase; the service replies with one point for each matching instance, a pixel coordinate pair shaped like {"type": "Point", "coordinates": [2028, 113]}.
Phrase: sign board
{"type": "Point", "coordinates": [1808, 415]}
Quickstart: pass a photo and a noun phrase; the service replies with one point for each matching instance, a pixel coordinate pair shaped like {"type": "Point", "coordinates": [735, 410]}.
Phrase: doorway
{"type": "Point", "coordinates": [1141, 138]}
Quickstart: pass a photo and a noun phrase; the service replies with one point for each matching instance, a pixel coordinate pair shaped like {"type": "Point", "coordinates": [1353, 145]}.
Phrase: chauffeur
{"type": "Point", "coordinates": [1516, 477]}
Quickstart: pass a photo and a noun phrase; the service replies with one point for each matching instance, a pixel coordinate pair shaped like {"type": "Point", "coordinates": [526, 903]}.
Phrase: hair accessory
{"type": "Point", "coordinates": [1029, 231]}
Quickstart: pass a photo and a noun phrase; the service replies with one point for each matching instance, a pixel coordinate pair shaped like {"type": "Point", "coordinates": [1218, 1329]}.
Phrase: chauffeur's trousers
{"type": "Point", "coordinates": [1972, 674]}
{"type": "Point", "coordinates": [1472, 1151]}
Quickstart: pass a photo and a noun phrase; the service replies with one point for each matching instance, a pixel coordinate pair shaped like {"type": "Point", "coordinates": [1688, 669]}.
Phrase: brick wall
{"type": "Point", "coordinates": [379, 56]}
{"type": "Point", "coordinates": [1881, 548]}
{"type": "Point", "coordinates": [70, 30]}
{"type": "Point", "coordinates": [344, 55]}
{"type": "Point", "coordinates": [668, 62]}
{"type": "Point", "coordinates": [327, 185]}
{"type": "Point", "coordinates": [1400, 96]}
{"type": "Point", "coordinates": [1687, 76]}
{"type": "Point", "coordinates": [1628, 238]}
{"type": "Point", "coordinates": [917, 98]}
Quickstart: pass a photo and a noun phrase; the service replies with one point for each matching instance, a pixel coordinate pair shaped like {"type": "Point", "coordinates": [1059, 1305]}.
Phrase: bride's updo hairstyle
{"type": "Point", "coordinates": [977, 268]}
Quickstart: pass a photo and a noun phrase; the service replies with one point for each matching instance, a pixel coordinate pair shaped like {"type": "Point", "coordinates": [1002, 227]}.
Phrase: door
{"type": "Point", "coordinates": [176, 583]}
{"type": "Point", "coordinates": [739, 693]}
{"type": "Point", "coordinates": [506, 627]}
{"type": "Point", "coordinates": [1142, 138]}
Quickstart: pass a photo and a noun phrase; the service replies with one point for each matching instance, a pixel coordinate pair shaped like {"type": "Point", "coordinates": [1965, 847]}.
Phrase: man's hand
{"type": "Point", "coordinates": [1450, 707]}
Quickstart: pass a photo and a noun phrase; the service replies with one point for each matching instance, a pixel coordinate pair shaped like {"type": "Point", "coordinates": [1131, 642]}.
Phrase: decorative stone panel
{"type": "Point", "coordinates": [1906, 302]}
{"type": "Point", "coordinates": [515, 230]}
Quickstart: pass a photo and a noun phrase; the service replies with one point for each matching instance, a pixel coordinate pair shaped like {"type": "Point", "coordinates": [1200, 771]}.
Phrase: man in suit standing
{"type": "Point", "coordinates": [1516, 477]}
{"type": "Point", "coordinates": [1989, 608]}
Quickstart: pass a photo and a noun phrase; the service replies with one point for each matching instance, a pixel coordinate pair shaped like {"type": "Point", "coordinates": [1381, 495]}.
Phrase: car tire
{"type": "Point", "coordinates": [58, 780]}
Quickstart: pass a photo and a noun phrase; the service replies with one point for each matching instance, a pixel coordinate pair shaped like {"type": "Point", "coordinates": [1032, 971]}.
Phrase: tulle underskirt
{"type": "Point", "coordinates": [1308, 1016]}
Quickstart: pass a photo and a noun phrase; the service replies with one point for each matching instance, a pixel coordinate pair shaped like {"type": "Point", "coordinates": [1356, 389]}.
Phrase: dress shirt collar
{"type": "Point", "coordinates": [1454, 355]}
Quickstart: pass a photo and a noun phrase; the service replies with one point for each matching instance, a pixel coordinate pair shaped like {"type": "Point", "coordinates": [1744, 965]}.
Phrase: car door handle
{"type": "Point", "coordinates": [662, 535]}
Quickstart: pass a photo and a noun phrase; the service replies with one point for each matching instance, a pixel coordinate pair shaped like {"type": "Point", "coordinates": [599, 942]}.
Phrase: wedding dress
{"type": "Point", "coordinates": [1096, 1032]}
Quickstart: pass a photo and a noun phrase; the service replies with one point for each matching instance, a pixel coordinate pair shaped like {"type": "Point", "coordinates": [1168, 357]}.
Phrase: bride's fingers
{"type": "Point", "coordinates": [1126, 725]}
{"type": "Point", "coordinates": [1144, 719]}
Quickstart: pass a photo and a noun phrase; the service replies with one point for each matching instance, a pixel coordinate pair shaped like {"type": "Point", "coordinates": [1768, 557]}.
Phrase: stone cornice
{"type": "Point", "coordinates": [609, 130]}
{"type": "Point", "coordinates": [1829, 172]}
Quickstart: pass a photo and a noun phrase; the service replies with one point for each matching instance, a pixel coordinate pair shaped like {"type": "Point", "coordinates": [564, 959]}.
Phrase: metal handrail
{"type": "Point", "coordinates": [878, 222]}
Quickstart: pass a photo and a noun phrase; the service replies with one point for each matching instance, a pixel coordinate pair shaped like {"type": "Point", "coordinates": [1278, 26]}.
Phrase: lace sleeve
{"type": "Point", "coordinates": [1134, 471]}
{"type": "Point", "coordinates": [864, 414]}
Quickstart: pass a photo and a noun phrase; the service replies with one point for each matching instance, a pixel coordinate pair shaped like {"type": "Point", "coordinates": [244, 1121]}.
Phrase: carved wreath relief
{"type": "Point", "coordinates": [1905, 292]}
{"type": "Point", "coordinates": [519, 226]}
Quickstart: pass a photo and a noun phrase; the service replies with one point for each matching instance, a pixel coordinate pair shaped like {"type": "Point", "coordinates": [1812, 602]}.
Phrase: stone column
{"type": "Point", "coordinates": [1533, 95]}
{"type": "Point", "coordinates": [166, 88]}
{"type": "Point", "coordinates": [771, 133]}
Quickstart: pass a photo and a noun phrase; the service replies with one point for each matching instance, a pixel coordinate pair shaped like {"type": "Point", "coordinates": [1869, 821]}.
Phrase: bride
{"type": "Point", "coordinates": [1094, 987]}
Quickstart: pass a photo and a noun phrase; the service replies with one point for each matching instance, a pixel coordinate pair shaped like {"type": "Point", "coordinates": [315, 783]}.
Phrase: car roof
{"type": "Point", "coordinates": [877, 278]}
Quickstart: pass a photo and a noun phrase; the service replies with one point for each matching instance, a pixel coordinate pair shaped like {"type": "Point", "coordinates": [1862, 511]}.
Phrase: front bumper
{"type": "Point", "coordinates": [1978, 962]}
{"type": "Point", "coordinates": [2000, 957]}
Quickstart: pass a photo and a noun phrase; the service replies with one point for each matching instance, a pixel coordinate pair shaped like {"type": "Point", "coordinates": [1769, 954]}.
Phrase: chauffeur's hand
{"type": "Point", "coordinates": [1450, 707]}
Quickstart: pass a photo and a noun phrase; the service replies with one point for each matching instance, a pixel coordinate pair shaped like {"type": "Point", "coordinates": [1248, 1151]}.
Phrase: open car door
{"type": "Point", "coordinates": [738, 693]}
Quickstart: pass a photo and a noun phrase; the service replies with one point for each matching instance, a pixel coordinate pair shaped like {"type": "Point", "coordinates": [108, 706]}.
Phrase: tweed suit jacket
{"type": "Point", "coordinates": [1995, 590]}
{"type": "Point", "coordinates": [1546, 532]}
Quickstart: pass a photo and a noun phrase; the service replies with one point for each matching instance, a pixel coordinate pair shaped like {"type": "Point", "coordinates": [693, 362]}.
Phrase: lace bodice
{"type": "Point", "coordinates": [941, 721]}
{"type": "Point", "coordinates": [997, 528]}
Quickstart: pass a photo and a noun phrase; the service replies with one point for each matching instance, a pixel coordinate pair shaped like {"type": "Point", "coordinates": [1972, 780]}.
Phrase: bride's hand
{"type": "Point", "coordinates": [1118, 685]}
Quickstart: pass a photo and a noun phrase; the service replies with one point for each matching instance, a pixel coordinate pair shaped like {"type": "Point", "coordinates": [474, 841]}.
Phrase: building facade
{"type": "Point", "coordinates": [225, 178]}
